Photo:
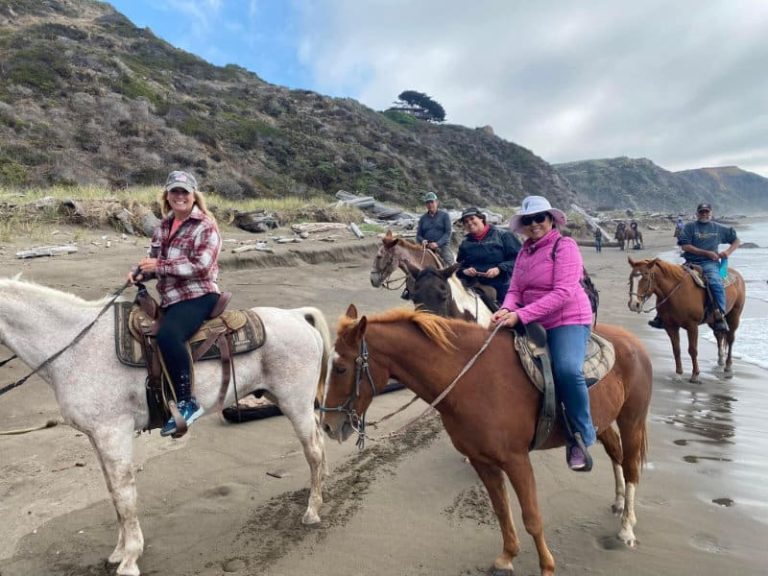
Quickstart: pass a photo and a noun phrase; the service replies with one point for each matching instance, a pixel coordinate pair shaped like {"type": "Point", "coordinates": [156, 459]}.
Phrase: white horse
{"type": "Point", "coordinates": [106, 400]}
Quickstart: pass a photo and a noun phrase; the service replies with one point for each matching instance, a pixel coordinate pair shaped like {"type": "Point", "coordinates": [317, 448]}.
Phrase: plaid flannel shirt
{"type": "Point", "coordinates": [187, 265]}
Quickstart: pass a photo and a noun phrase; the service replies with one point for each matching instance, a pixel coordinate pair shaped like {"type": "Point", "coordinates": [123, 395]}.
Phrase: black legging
{"type": "Point", "coordinates": [180, 322]}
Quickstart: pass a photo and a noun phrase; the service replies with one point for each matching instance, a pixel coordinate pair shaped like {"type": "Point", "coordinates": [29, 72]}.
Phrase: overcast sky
{"type": "Point", "coordinates": [681, 82]}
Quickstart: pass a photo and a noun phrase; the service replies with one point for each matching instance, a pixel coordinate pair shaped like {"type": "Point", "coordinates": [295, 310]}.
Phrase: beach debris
{"type": "Point", "coordinates": [47, 251]}
{"type": "Point", "coordinates": [260, 246]}
{"type": "Point", "coordinates": [356, 230]}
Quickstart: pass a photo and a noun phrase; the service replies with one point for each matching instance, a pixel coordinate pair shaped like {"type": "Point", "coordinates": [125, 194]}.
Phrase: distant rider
{"type": "Point", "coordinates": [700, 242]}
{"type": "Point", "coordinates": [434, 229]}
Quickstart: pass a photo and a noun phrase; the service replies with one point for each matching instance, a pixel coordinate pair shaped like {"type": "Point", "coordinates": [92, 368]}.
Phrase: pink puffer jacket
{"type": "Point", "coordinates": [546, 290]}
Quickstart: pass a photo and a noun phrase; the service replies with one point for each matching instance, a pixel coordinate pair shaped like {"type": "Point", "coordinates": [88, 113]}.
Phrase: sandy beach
{"type": "Point", "coordinates": [227, 499]}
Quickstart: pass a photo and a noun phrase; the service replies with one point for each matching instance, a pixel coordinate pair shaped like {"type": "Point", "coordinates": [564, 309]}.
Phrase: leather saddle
{"type": "Point", "coordinates": [225, 334]}
{"type": "Point", "coordinates": [531, 347]}
{"type": "Point", "coordinates": [700, 280]}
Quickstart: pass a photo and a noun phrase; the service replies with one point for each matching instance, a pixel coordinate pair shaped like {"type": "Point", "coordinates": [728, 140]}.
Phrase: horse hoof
{"type": "Point", "coordinates": [728, 374]}
{"type": "Point", "coordinates": [502, 572]}
{"type": "Point", "coordinates": [694, 379]}
{"type": "Point", "coordinates": [310, 518]}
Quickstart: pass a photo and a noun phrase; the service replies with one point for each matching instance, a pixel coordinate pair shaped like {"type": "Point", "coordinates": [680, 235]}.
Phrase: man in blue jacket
{"type": "Point", "coordinates": [434, 229]}
{"type": "Point", "coordinates": [700, 242]}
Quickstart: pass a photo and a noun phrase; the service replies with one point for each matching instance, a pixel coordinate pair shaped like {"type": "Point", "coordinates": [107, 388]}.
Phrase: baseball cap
{"type": "Point", "coordinates": [472, 211]}
{"type": "Point", "coordinates": [429, 197]}
{"type": "Point", "coordinates": [703, 206]}
{"type": "Point", "coordinates": [180, 179]}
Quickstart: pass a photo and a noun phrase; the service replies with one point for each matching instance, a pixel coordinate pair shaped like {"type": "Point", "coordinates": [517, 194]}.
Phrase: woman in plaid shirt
{"type": "Point", "coordinates": [183, 258]}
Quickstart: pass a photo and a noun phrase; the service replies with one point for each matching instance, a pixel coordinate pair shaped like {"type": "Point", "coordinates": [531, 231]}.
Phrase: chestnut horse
{"type": "Point", "coordinates": [394, 253]}
{"type": "Point", "coordinates": [680, 304]}
{"type": "Point", "coordinates": [490, 415]}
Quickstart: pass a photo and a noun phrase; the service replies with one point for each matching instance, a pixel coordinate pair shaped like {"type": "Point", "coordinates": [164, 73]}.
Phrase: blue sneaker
{"type": "Point", "coordinates": [189, 410]}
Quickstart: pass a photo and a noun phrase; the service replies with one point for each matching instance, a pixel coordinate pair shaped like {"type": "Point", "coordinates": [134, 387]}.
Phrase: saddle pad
{"type": "Point", "coordinates": [698, 277]}
{"type": "Point", "coordinates": [598, 361]}
{"type": "Point", "coordinates": [245, 326]}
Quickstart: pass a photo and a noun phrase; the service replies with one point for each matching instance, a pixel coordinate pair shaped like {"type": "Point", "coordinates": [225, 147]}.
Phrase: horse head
{"type": "Point", "coordinates": [350, 387]}
{"type": "Point", "coordinates": [430, 289]}
{"type": "Point", "coordinates": [641, 285]}
{"type": "Point", "coordinates": [385, 262]}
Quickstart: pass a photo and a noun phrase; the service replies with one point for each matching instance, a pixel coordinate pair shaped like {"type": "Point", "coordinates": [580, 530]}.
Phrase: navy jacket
{"type": "Point", "coordinates": [498, 248]}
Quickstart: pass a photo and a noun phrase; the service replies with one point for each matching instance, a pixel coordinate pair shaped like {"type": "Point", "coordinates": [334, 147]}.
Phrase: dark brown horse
{"type": "Point", "coordinates": [490, 414]}
{"type": "Point", "coordinates": [394, 253]}
{"type": "Point", "coordinates": [627, 236]}
{"type": "Point", "coordinates": [442, 293]}
{"type": "Point", "coordinates": [680, 303]}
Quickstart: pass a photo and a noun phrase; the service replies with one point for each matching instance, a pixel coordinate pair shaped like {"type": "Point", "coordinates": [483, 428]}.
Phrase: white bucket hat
{"type": "Point", "coordinates": [535, 205]}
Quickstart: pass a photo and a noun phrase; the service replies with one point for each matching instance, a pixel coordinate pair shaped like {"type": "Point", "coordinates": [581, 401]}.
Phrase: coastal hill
{"type": "Point", "coordinates": [621, 183]}
{"type": "Point", "coordinates": [87, 98]}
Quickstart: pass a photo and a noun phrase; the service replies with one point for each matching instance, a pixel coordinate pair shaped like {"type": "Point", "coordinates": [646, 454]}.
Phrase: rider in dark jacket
{"type": "Point", "coordinates": [487, 253]}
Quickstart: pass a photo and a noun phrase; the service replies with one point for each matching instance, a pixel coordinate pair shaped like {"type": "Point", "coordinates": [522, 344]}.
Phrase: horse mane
{"type": "Point", "coordinates": [676, 271]}
{"type": "Point", "coordinates": [438, 329]}
{"type": "Point", "coordinates": [50, 293]}
{"type": "Point", "coordinates": [405, 243]}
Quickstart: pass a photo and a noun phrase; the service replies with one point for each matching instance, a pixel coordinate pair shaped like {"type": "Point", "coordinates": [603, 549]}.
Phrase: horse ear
{"type": "Point", "coordinates": [352, 311]}
{"type": "Point", "coordinates": [448, 272]}
{"type": "Point", "coordinates": [359, 330]}
{"type": "Point", "coordinates": [389, 239]}
{"type": "Point", "coordinates": [631, 262]}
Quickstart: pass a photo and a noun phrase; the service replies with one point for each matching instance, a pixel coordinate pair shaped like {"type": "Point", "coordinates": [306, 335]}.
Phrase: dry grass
{"type": "Point", "coordinates": [22, 212]}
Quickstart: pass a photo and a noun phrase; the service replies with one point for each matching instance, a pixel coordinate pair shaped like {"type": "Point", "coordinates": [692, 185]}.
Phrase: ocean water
{"type": "Point", "coordinates": [752, 336]}
{"type": "Point", "coordinates": [724, 420]}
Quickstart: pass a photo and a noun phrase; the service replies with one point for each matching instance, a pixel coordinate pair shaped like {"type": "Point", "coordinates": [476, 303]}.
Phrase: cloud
{"type": "Point", "coordinates": [679, 83]}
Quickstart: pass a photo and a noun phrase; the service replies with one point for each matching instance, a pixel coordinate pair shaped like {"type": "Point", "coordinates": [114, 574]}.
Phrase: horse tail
{"type": "Point", "coordinates": [317, 320]}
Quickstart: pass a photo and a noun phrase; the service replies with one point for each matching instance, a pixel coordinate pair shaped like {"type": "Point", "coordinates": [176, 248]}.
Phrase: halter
{"type": "Point", "coordinates": [647, 294]}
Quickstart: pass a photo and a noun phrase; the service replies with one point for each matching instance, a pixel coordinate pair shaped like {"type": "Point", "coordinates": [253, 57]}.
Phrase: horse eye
{"type": "Point", "coordinates": [339, 369]}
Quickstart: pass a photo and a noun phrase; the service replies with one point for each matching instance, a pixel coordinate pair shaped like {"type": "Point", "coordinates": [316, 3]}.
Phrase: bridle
{"type": "Point", "coordinates": [392, 263]}
{"type": "Point", "coordinates": [362, 368]}
{"type": "Point", "coordinates": [651, 276]}
{"type": "Point", "coordinates": [357, 421]}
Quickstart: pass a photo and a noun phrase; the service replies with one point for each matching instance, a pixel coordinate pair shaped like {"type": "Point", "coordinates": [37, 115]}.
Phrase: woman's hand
{"type": "Point", "coordinates": [135, 275]}
{"type": "Point", "coordinates": [492, 272]}
{"type": "Point", "coordinates": [471, 272]}
{"type": "Point", "coordinates": [148, 265]}
{"type": "Point", "coordinates": [505, 317]}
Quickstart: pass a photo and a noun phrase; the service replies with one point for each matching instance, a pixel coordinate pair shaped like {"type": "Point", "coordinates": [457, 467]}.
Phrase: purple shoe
{"type": "Point", "coordinates": [578, 456]}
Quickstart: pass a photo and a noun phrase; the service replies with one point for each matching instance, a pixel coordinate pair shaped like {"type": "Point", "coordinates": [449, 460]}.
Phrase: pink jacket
{"type": "Point", "coordinates": [546, 290]}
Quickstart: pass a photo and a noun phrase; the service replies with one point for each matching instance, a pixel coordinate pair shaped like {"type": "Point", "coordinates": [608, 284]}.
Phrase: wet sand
{"type": "Point", "coordinates": [210, 503]}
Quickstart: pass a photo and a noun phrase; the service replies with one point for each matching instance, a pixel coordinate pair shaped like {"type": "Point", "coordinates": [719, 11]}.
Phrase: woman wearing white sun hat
{"type": "Point", "coordinates": [545, 288]}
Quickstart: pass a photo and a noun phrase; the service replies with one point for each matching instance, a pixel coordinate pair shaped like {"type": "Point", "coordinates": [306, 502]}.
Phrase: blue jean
{"type": "Point", "coordinates": [711, 269]}
{"type": "Point", "coordinates": [568, 347]}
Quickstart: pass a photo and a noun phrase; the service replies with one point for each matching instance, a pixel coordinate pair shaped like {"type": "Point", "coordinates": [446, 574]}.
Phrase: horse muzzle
{"type": "Point", "coordinates": [337, 426]}
{"type": "Point", "coordinates": [376, 279]}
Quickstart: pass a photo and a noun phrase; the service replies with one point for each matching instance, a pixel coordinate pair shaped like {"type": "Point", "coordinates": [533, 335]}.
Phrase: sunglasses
{"type": "Point", "coordinates": [705, 211]}
{"type": "Point", "coordinates": [180, 191]}
{"type": "Point", "coordinates": [538, 218]}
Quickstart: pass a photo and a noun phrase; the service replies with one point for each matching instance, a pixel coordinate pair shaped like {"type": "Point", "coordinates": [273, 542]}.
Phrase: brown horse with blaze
{"type": "Point", "coordinates": [490, 414]}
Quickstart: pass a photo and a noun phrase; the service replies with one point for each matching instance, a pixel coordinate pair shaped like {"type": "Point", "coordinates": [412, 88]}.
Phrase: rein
{"type": "Point", "coordinates": [390, 284]}
{"type": "Point", "coordinates": [358, 422]}
{"type": "Point", "coordinates": [650, 291]}
{"type": "Point", "coordinates": [75, 340]}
